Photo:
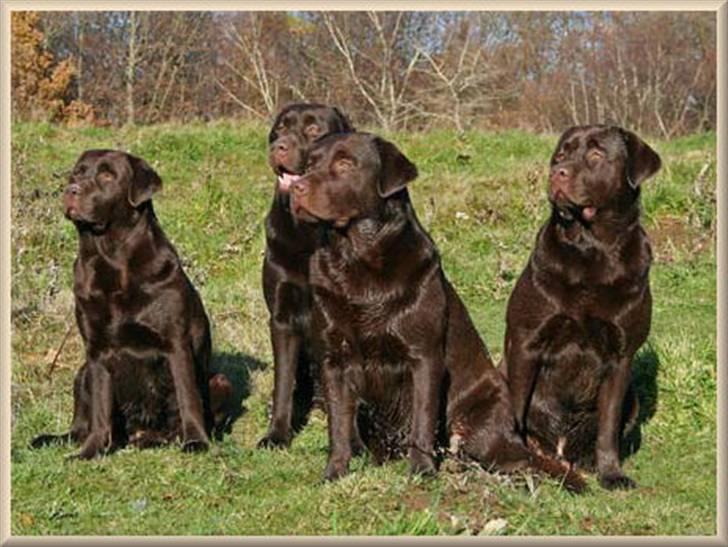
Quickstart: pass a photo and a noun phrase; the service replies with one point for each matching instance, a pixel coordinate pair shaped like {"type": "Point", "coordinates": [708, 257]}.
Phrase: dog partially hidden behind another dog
{"type": "Point", "coordinates": [145, 379]}
{"type": "Point", "coordinates": [289, 246]}
{"type": "Point", "coordinates": [582, 306]}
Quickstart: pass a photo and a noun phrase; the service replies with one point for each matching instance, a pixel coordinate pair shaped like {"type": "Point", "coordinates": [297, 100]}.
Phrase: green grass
{"type": "Point", "coordinates": [482, 197]}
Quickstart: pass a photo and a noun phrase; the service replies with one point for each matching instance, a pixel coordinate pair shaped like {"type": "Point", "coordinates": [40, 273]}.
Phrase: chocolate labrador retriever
{"type": "Point", "coordinates": [289, 245]}
{"type": "Point", "coordinates": [395, 343]}
{"type": "Point", "coordinates": [582, 306]}
{"type": "Point", "coordinates": [145, 331]}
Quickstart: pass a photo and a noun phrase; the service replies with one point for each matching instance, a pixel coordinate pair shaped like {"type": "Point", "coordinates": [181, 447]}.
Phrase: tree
{"type": "Point", "coordinates": [376, 59]}
{"type": "Point", "coordinates": [40, 85]}
{"type": "Point", "coordinates": [541, 71]}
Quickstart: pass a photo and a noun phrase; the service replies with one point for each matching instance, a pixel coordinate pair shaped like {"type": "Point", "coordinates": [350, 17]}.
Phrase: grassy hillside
{"type": "Point", "coordinates": [482, 197]}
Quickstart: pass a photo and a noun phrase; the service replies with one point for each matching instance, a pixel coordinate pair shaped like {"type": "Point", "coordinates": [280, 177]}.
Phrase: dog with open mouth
{"type": "Point", "coordinates": [582, 306]}
{"type": "Point", "coordinates": [401, 359]}
{"type": "Point", "coordinates": [289, 246]}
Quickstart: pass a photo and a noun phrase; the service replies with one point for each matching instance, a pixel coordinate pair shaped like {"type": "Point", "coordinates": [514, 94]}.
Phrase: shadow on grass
{"type": "Point", "coordinates": [645, 368]}
{"type": "Point", "coordinates": [237, 367]}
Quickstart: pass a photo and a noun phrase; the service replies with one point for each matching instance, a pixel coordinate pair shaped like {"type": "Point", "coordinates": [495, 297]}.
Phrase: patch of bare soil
{"type": "Point", "coordinates": [674, 237]}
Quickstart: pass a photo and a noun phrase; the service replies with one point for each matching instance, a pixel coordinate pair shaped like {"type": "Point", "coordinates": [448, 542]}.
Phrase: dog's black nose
{"type": "Point", "coordinates": [73, 189]}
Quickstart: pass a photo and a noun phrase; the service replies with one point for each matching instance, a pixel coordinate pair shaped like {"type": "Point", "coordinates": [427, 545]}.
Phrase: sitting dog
{"type": "Point", "coordinates": [145, 331]}
{"type": "Point", "coordinates": [396, 345]}
{"type": "Point", "coordinates": [582, 306]}
{"type": "Point", "coordinates": [289, 246]}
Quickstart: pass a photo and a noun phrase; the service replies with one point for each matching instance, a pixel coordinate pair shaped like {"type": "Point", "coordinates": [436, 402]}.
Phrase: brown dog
{"type": "Point", "coordinates": [582, 306]}
{"type": "Point", "coordinates": [145, 331]}
{"type": "Point", "coordinates": [289, 246]}
{"type": "Point", "coordinates": [395, 342]}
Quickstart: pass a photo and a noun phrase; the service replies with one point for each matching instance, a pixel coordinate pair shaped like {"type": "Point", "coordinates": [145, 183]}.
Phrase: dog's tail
{"type": "Point", "coordinates": [49, 439]}
{"type": "Point", "coordinates": [221, 403]}
{"type": "Point", "coordinates": [561, 471]}
{"type": "Point", "coordinates": [513, 455]}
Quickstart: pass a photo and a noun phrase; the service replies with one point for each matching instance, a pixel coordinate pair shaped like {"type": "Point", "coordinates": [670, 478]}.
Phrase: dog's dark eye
{"type": "Point", "coordinates": [559, 157]}
{"type": "Point", "coordinates": [105, 176]}
{"type": "Point", "coordinates": [594, 155]}
{"type": "Point", "coordinates": [312, 130]}
{"type": "Point", "coordinates": [343, 164]}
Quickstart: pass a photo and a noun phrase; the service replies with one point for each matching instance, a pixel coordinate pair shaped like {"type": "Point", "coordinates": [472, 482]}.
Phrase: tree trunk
{"type": "Point", "coordinates": [131, 62]}
{"type": "Point", "coordinates": [80, 26]}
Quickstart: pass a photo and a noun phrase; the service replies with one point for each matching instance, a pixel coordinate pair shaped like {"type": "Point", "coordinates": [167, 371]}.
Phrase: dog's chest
{"type": "Point", "coordinates": [115, 311]}
{"type": "Point", "coordinates": [380, 368]}
{"type": "Point", "coordinates": [370, 326]}
{"type": "Point", "coordinates": [564, 337]}
{"type": "Point", "coordinates": [604, 292]}
{"type": "Point", "coordinates": [374, 327]}
{"type": "Point", "coordinates": [374, 314]}
{"type": "Point", "coordinates": [589, 302]}
{"type": "Point", "coordinates": [370, 302]}
{"type": "Point", "coordinates": [597, 283]}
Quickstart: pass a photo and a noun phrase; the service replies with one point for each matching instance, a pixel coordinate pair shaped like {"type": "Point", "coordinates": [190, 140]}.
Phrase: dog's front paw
{"type": "Point", "coordinates": [422, 464]}
{"type": "Point", "coordinates": [336, 469]}
{"type": "Point", "coordinates": [96, 444]}
{"type": "Point", "coordinates": [616, 480]}
{"type": "Point", "coordinates": [195, 445]}
{"type": "Point", "coordinates": [274, 440]}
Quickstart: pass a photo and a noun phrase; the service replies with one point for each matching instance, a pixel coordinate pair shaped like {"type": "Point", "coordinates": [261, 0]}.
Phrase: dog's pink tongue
{"type": "Point", "coordinates": [286, 180]}
{"type": "Point", "coordinates": [589, 213]}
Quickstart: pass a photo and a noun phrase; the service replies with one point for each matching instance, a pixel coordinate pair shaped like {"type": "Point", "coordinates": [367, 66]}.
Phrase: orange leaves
{"type": "Point", "coordinates": [41, 86]}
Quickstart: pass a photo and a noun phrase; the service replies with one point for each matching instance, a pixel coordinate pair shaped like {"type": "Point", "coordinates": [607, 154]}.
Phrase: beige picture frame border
{"type": "Point", "coordinates": [719, 7]}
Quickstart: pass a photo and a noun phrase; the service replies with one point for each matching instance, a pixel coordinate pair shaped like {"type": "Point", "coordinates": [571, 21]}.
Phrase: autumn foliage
{"type": "Point", "coordinates": [40, 84]}
{"type": "Point", "coordinates": [539, 71]}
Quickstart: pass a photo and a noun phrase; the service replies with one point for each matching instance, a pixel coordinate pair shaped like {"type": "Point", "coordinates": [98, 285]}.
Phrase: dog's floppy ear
{"type": "Point", "coordinates": [144, 181]}
{"type": "Point", "coordinates": [396, 170]}
{"type": "Point", "coordinates": [642, 161]}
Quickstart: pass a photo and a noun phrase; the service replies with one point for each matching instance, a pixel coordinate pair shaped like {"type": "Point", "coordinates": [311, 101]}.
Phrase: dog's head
{"type": "Point", "coordinates": [108, 185]}
{"type": "Point", "coordinates": [350, 176]}
{"type": "Point", "coordinates": [295, 128]}
{"type": "Point", "coordinates": [598, 167]}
